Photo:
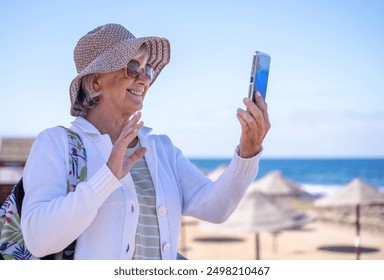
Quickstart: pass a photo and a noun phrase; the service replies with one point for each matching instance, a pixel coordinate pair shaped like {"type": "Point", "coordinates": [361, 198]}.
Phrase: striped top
{"type": "Point", "coordinates": [147, 233]}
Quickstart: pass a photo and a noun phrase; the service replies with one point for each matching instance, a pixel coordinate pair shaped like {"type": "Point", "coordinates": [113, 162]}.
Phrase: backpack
{"type": "Point", "coordinates": [12, 245]}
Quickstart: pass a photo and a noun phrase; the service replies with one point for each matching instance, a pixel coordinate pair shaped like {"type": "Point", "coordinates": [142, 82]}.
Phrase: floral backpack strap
{"type": "Point", "coordinates": [77, 172]}
{"type": "Point", "coordinates": [77, 165]}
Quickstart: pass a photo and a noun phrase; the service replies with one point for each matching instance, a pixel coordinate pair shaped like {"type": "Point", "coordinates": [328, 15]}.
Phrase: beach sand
{"type": "Point", "coordinates": [319, 240]}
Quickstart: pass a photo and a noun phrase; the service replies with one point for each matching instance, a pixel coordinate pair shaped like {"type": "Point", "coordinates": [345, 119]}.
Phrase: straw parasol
{"type": "Point", "coordinates": [355, 194]}
{"type": "Point", "coordinates": [257, 213]}
{"type": "Point", "coordinates": [217, 172]}
{"type": "Point", "coordinates": [275, 184]}
{"type": "Point", "coordinates": [214, 175]}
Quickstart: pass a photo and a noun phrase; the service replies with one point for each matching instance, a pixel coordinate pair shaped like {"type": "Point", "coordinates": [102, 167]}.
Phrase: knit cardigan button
{"type": "Point", "coordinates": [167, 247]}
{"type": "Point", "coordinates": [161, 211]}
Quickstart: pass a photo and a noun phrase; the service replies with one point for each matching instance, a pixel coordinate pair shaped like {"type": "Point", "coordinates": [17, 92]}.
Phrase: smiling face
{"type": "Point", "coordinates": [123, 93]}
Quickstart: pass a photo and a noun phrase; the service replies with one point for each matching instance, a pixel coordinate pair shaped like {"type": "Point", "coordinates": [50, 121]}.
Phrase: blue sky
{"type": "Point", "coordinates": [325, 94]}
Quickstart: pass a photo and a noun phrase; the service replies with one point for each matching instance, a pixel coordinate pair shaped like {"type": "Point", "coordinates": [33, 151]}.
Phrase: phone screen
{"type": "Point", "coordinates": [261, 72]}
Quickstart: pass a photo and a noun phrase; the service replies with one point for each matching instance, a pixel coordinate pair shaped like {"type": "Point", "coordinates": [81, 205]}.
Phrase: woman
{"type": "Point", "coordinates": [138, 185]}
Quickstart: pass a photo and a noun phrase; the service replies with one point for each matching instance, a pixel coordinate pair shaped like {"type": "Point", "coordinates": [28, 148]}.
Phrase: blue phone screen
{"type": "Point", "coordinates": [261, 75]}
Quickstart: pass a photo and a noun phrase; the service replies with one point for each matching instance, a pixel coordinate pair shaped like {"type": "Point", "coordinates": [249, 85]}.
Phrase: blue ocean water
{"type": "Point", "coordinates": [316, 176]}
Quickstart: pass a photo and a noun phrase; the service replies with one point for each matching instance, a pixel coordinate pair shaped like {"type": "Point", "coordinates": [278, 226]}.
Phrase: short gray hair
{"type": "Point", "coordinates": [87, 98]}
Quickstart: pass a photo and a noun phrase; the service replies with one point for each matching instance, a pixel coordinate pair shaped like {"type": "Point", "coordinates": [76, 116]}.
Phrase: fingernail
{"type": "Point", "coordinates": [258, 93]}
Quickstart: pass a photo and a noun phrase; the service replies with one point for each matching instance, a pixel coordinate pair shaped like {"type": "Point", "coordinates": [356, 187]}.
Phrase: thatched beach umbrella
{"type": "Point", "coordinates": [355, 194]}
{"type": "Point", "coordinates": [257, 213]}
{"type": "Point", "coordinates": [213, 176]}
{"type": "Point", "coordinates": [275, 184]}
{"type": "Point", "coordinates": [217, 172]}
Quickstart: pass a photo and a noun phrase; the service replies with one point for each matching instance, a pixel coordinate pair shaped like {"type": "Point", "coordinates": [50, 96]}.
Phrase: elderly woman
{"type": "Point", "coordinates": [138, 185]}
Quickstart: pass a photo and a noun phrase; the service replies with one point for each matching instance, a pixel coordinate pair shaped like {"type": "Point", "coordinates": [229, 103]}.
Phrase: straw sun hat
{"type": "Point", "coordinates": [109, 48]}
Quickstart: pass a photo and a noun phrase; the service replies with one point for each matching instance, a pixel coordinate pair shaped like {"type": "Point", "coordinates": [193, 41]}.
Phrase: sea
{"type": "Point", "coordinates": [316, 176]}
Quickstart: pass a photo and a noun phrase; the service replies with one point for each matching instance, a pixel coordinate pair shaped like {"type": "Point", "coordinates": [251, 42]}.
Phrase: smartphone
{"type": "Point", "coordinates": [259, 75]}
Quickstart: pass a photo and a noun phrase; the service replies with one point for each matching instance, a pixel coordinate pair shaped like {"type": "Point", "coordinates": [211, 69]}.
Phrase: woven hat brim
{"type": "Point", "coordinates": [117, 58]}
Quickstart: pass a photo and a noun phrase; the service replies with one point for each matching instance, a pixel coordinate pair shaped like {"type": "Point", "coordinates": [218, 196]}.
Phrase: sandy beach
{"type": "Point", "coordinates": [323, 239]}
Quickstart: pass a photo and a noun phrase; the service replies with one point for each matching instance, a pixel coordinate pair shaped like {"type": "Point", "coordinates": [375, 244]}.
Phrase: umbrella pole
{"type": "Point", "coordinates": [357, 238]}
{"type": "Point", "coordinates": [257, 243]}
{"type": "Point", "coordinates": [275, 234]}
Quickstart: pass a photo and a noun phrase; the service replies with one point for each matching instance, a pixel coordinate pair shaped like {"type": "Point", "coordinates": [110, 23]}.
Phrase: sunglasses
{"type": "Point", "coordinates": [134, 70]}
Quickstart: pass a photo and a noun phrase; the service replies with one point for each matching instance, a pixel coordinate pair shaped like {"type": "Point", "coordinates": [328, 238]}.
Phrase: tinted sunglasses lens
{"type": "Point", "coordinates": [133, 70]}
{"type": "Point", "coordinates": [149, 72]}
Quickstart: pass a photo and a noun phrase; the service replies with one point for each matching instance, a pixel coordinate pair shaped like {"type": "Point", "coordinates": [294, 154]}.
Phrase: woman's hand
{"type": "Point", "coordinates": [254, 126]}
{"type": "Point", "coordinates": [119, 163]}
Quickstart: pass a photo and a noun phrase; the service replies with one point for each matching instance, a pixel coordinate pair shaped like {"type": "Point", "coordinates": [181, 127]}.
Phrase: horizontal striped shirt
{"type": "Point", "coordinates": [147, 233]}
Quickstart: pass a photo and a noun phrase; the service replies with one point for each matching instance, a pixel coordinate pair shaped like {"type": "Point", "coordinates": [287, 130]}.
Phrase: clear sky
{"type": "Point", "coordinates": [326, 87]}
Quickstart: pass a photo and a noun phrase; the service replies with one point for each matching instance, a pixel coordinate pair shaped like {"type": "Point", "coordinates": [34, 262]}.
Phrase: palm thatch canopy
{"type": "Point", "coordinates": [275, 184]}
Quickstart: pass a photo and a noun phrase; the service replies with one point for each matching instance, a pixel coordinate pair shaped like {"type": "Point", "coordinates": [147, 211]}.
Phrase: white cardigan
{"type": "Point", "coordinates": [102, 213]}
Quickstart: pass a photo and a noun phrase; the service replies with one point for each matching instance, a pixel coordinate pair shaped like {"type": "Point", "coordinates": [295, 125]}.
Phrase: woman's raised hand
{"type": "Point", "coordinates": [254, 126]}
{"type": "Point", "coordinates": [119, 163]}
